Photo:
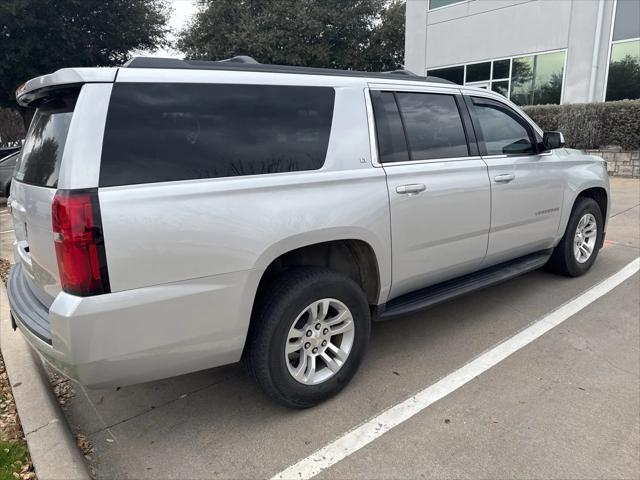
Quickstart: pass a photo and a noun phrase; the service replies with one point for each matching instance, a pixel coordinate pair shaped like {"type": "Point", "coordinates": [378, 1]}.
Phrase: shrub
{"type": "Point", "coordinates": [11, 127]}
{"type": "Point", "coordinates": [592, 125]}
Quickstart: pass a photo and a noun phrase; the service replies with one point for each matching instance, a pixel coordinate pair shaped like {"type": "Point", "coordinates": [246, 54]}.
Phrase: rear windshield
{"type": "Point", "coordinates": [160, 132]}
{"type": "Point", "coordinates": [42, 151]}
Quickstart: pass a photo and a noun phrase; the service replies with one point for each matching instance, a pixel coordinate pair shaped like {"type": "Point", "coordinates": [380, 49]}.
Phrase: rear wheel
{"type": "Point", "coordinates": [579, 246]}
{"type": "Point", "coordinates": [308, 336]}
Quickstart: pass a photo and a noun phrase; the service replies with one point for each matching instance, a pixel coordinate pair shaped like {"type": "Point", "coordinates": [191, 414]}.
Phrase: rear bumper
{"type": "Point", "coordinates": [26, 309]}
{"type": "Point", "coordinates": [143, 334]}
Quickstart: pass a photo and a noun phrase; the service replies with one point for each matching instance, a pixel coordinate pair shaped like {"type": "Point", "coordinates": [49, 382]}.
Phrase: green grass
{"type": "Point", "coordinates": [12, 456]}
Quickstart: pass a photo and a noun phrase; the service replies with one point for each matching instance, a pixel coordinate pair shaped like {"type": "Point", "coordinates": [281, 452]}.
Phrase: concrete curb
{"type": "Point", "coordinates": [53, 449]}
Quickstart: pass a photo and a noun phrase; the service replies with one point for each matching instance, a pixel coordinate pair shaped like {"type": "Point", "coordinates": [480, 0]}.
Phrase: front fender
{"type": "Point", "coordinates": [582, 173]}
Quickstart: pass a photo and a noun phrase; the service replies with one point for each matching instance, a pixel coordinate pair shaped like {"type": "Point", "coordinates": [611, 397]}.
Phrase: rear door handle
{"type": "Point", "coordinates": [411, 189]}
{"type": "Point", "coordinates": [504, 177]}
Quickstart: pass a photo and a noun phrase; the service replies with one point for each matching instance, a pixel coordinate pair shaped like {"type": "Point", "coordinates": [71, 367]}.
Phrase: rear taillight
{"type": "Point", "coordinates": [77, 233]}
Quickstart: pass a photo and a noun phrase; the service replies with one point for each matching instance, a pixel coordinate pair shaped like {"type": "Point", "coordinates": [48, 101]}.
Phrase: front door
{"type": "Point", "coordinates": [439, 194]}
{"type": "Point", "coordinates": [526, 186]}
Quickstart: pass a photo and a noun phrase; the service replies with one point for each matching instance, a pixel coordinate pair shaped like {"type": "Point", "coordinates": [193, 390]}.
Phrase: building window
{"type": "Point", "coordinates": [526, 80]}
{"type": "Point", "coordinates": [537, 79]}
{"type": "Point", "coordinates": [623, 81]}
{"type": "Point", "coordinates": [478, 72]}
{"type": "Point", "coordinates": [453, 74]}
{"type": "Point", "coordinates": [442, 3]}
{"type": "Point", "coordinates": [626, 25]}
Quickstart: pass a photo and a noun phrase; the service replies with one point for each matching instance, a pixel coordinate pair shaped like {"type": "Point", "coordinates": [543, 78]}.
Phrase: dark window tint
{"type": "Point", "coordinates": [433, 125]}
{"type": "Point", "coordinates": [164, 132]}
{"type": "Point", "coordinates": [501, 68]}
{"type": "Point", "coordinates": [392, 145]}
{"type": "Point", "coordinates": [503, 131]}
{"type": "Point", "coordinates": [478, 72]}
{"type": "Point", "coordinates": [453, 74]}
{"type": "Point", "coordinates": [501, 87]}
{"type": "Point", "coordinates": [43, 147]}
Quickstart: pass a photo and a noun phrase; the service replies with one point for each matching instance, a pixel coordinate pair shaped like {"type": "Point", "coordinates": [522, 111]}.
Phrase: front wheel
{"type": "Point", "coordinates": [578, 248]}
{"type": "Point", "coordinates": [308, 336]}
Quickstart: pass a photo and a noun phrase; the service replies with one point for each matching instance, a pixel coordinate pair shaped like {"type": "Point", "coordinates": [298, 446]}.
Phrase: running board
{"type": "Point", "coordinates": [441, 292]}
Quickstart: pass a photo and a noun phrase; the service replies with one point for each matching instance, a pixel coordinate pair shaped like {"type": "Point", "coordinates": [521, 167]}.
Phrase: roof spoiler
{"type": "Point", "coordinates": [37, 88]}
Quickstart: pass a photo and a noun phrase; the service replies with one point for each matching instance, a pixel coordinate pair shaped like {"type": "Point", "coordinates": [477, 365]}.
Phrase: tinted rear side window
{"type": "Point", "coordinates": [392, 144]}
{"type": "Point", "coordinates": [160, 132]}
{"type": "Point", "coordinates": [41, 155]}
{"type": "Point", "coordinates": [433, 125]}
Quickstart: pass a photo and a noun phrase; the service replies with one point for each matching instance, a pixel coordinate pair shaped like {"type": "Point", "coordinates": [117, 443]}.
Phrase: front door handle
{"type": "Point", "coordinates": [504, 177]}
{"type": "Point", "coordinates": [411, 189]}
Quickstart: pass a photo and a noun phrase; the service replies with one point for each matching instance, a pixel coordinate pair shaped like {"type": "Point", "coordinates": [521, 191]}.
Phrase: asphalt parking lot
{"type": "Point", "coordinates": [567, 405]}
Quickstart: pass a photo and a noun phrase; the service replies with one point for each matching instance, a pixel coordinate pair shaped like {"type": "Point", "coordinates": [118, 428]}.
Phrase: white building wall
{"type": "Point", "coordinates": [478, 30]}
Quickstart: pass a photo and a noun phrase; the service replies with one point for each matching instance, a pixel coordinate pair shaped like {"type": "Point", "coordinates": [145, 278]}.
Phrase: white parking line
{"type": "Point", "coordinates": [367, 432]}
{"type": "Point", "coordinates": [8, 231]}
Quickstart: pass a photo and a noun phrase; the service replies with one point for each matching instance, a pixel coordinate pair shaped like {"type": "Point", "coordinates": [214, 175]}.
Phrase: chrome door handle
{"type": "Point", "coordinates": [504, 177]}
{"type": "Point", "coordinates": [411, 189]}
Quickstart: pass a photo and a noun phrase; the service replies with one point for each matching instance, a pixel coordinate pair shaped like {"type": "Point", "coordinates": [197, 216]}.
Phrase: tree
{"type": "Point", "coordinates": [347, 34]}
{"type": "Point", "coordinates": [386, 50]}
{"type": "Point", "coordinates": [41, 36]}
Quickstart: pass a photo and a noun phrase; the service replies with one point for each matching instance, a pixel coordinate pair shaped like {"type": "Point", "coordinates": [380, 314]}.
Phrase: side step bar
{"type": "Point", "coordinates": [441, 292]}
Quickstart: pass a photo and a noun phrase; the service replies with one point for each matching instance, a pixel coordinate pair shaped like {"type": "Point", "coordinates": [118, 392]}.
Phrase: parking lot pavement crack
{"type": "Point", "coordinates": [156, 407]}
{"type": "Point", "coordinates": [624, 211]}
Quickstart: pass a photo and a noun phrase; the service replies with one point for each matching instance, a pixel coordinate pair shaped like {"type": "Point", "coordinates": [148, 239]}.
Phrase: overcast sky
{"type": "Point", "coordinates": [183, 10]}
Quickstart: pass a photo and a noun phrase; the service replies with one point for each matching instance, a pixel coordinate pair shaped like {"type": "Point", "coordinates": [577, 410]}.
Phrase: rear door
{"type": "Point", "coordinates": [438, 186]}
{"type": "Point", "coordinates": [35, 184]}
{"type": "Point", "coordinates": [527, 187]}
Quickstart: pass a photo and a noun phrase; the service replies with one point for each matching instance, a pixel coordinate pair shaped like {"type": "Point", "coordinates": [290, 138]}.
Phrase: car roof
{"type": "Point", "coordinates": [247, 64]}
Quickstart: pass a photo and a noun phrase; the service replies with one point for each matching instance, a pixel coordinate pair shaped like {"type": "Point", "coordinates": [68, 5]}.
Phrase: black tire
{"type": "Point", "coordinates": [286, 298]}
{"type": "Point", "coordinates": [562, 260]}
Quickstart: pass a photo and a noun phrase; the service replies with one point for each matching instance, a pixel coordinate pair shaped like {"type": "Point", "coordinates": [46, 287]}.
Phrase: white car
{"type": "Point", "coordinates": [174, 215]}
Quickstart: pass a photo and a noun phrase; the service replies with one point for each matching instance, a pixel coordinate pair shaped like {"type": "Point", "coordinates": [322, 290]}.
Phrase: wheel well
{"type": "Point", "coordinates": [600, 196]}
{"type": "Point", "coordinates": [354, 258]}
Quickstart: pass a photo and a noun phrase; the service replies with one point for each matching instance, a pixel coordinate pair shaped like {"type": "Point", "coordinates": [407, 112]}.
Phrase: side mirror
{"type": "Point", "coordinates": [553, 140]}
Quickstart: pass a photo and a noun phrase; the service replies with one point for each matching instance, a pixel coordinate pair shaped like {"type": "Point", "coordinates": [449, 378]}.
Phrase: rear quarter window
{"type": "Point", "coordinates": [159, 132]}
{"type": "Point", "coordinates": [41, 155]}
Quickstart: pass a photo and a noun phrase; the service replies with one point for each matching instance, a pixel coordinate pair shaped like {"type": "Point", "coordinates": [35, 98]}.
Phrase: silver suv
{"type": "Point", "coordinates": [173, 216]}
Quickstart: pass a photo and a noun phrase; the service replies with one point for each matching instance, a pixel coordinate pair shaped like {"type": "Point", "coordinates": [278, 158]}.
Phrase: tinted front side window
{"type": "Point", "coordinates": [502, 130]}
{"type": "Point", "coordinates": [44, 144]}
{"type": "Point", "coordinates": [433, 125]}
{"type": "Point", "coordinates": [165, 132]}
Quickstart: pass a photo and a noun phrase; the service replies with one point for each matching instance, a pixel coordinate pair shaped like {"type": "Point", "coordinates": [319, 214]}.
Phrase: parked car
{"type": "Point", "coordinates": [174, 215]}
{"type": "Point", "coordinates": [7, 167]}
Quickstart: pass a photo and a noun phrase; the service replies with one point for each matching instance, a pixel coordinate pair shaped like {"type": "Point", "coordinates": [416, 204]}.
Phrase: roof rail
{"type": "Point", "coordinates": [248, 64]}
{"type": "Point", "coordinates": [240, 59]}
{"type": "Point", "coordinates": [401, 71]}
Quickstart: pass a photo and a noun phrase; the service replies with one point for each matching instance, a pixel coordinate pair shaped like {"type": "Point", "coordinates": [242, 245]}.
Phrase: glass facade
{"type": "Point", "coordinates": [442, 3]}
{"type": "Point", "coordinates": [537, 79]}
{"type": "Point", "coordinates": [527, 80]}
{"type": "Point", "coordinates": [623, 79]}
{"type": "Point", "coordinates": [453, 74]}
